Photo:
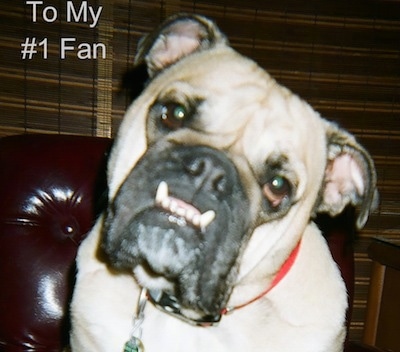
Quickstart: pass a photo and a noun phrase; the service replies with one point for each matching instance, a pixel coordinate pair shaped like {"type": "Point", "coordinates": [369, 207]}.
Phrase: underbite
{"type": "Point", "coordinates": [181, 212]}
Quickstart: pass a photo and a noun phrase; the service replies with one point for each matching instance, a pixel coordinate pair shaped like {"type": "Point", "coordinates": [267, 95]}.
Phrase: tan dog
{"type": "Point", "coordinates": [214, 179]}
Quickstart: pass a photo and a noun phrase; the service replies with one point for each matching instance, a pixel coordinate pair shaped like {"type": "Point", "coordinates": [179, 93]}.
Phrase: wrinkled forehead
{"type": "Point", "coordinates": [283, 124]}
{"type": "Point", "coordinates": [249, 107]}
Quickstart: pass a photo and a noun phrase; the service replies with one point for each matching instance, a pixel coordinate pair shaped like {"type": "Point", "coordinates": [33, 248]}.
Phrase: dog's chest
{"type": "Point", "coordinates": [244, 333]}
{"type": "Point", "coordinates": [169, 334]}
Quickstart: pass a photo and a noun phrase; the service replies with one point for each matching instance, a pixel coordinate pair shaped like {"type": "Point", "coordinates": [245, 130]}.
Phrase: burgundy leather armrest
{"type": "Point", "coordinates": [47, 195]}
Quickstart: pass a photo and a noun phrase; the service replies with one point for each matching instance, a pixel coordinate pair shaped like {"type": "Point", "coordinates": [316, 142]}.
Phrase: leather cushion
{"type": "Point", "coordinates": [48, 191]}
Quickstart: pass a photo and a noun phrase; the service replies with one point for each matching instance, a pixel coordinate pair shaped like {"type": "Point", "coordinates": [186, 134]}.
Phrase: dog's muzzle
{"type": "Point", "coordinates": [182, 215]}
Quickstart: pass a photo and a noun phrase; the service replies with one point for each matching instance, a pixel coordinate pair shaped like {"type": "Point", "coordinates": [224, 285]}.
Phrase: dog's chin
{"type": "Point", "coordinates": [149, 279]}
{"type": "Point", "coordinates": [170, 261]}
{"type": "Point", "coordinates": [152, 281]}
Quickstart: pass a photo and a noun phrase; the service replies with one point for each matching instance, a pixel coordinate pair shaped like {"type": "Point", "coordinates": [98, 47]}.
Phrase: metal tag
{"type": "Point", "coordinates": [134, 345]}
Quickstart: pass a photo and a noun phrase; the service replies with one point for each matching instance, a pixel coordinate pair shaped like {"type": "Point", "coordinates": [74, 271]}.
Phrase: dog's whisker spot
{"type": "Point", "coordinates": [181, 209]}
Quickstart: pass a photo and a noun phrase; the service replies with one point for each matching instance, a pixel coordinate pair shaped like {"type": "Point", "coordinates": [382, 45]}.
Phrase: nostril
{"type": "Point", "coordinates": [196, 166]}
{"type": "Point", "coordinates": [220, 183]}
{"type": "Point", "coordinates": [208, 172]}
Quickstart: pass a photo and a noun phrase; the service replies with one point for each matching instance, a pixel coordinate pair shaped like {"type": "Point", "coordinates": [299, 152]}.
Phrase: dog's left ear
{"type": "Point", "coordinates": [350, 176]}
{"type": "Point", "coordinates": [177, 37]}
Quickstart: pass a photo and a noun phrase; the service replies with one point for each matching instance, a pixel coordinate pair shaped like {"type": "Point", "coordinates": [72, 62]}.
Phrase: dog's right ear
{"type": "Point", "coordinates": [176, 38]}
{"type": "Point", "coordinates": [350, 176]}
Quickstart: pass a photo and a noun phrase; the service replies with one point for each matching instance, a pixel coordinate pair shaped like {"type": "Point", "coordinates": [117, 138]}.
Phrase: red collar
{"type": "Point", "coordinates": [287, 265]}
{"type": "Point", "coordinates": [169, 304]}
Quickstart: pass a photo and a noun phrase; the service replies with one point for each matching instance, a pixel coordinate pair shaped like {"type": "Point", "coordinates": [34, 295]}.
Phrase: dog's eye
{"type": "Point", "coordinates": [276, 190]}
{"type": "Point", "coordinates": [173, 115]}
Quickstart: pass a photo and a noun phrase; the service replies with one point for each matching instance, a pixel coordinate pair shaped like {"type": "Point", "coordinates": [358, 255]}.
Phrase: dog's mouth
{"type": "Point", "coordinates": [180, 211]}
{"type": "Point", "coordinates": [181, 230]}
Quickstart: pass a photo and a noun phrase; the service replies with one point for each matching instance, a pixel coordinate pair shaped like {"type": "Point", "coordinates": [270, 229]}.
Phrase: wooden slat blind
{"type": "Point", "coordinates": [342, 56]}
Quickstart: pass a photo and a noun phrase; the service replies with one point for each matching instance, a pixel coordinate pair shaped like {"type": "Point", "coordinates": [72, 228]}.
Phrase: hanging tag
{"type": "Point", "coordinates": [134, 345]}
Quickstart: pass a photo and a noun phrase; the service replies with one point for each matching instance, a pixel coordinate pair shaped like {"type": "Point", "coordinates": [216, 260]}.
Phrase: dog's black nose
{"type": "Point", "coordinates": [211, 170]}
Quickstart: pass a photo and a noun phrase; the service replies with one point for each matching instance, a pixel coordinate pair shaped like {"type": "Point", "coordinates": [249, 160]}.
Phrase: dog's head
{"type": "Point", "coordinates": [217, 166]}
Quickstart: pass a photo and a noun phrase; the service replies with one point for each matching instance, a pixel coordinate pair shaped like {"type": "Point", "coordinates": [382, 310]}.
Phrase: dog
{"type": "Point", "coordinates": [208, 242]}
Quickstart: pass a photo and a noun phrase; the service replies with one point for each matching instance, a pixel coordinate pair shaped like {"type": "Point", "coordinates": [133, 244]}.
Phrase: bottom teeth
{"type": "Point", "coordinates": [182, 209]}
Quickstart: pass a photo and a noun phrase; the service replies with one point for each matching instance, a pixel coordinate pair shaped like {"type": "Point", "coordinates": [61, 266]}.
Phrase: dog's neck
{"type": "Point", "coordinates": [171, 306]}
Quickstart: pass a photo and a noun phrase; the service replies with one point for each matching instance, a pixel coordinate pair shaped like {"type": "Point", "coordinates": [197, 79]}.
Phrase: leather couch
{"type": "Point", "coordinates": [51, 188]}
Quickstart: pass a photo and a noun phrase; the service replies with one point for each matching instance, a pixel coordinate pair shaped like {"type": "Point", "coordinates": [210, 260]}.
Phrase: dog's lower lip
{"type": "Point", "coordinates": [182, 210]}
